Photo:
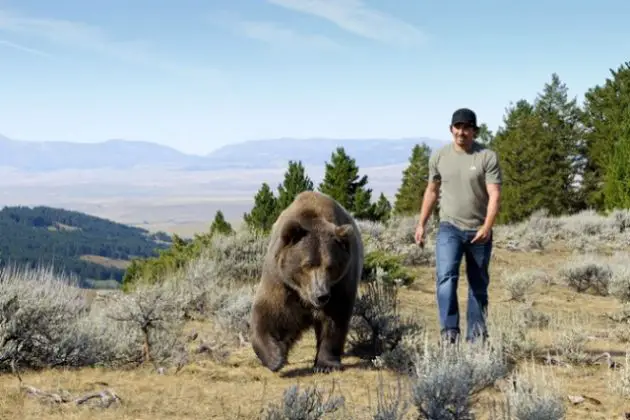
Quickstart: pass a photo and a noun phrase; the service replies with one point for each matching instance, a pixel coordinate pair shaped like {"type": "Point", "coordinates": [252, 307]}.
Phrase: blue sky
{"type": "Point", "coordinates": [198, 74]}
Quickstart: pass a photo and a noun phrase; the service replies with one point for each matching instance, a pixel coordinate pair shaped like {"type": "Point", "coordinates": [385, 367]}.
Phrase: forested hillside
{"type": "Point", "coordinates": [72, 241]}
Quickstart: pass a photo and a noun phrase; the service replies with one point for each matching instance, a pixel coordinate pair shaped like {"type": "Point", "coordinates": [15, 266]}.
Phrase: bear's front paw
{"type": "Point", "coordinates": [270, 356]}
{"type": "Point", "coordinates": [276, 364]}
{"type": "Point", "coordinates": [327, 366]}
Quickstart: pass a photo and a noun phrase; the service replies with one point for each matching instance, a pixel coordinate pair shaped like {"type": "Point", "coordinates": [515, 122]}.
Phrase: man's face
{"type": "Point", "coordinates": [463, 134]}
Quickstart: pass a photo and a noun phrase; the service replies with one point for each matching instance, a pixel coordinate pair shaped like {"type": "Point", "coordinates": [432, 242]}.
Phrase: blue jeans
{"type": "Point", "coordinates": [453, 244]}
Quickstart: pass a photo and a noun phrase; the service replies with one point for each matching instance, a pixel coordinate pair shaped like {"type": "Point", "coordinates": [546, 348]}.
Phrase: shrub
{"type": "Point", "coordinates": [520, 283]}
{"type": "Point", "coordinates": [238, 257]}
{"type": "Point", "coordinates": [587, 273]}
{"type": "Point", "coordinates": [619, 283]}
{"type": "Point", "coordinates": [584, 231]}
{"type": "Point", "coordinates": [47, 322]}
{"type": "Point", "coordinates": [306, 405]}
{"type": "Point", "coordinates": [445, 380]}
{"type": "Point", "coordinates": [390, 405]}
{"type": "Point", "coordinates": [529, 397]}
{"type": "Point", "coordinates": [378, 330]}
{"type": "Point", "coordinates": [387, 267]}
{"type": "Point", "coordinates": [397, 237]}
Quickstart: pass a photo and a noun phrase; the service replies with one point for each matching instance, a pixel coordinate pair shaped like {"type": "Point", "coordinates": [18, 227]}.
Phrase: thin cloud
{"type": "Point", "coordinates": [357, 18]}
{"type": "Point", "coordinates": [276, 35]}
{"type": "Point", "coordinates": [94, 39]}
{"type": "Point", "coordinates": [271, 33]}
{"type": "Point", "coordinates": [19, 47]}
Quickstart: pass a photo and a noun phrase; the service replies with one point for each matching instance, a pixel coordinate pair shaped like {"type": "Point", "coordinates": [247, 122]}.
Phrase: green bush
{"type": "Point", "coordinates": [388, 266]}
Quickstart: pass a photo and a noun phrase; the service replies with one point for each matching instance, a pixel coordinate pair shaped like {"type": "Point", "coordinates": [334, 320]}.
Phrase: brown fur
{"type": "Point", "coordinates": [315, 248]}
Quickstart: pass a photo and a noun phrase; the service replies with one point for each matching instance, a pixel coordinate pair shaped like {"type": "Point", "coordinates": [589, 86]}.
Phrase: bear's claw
{"type": "Point", "coordinates": [327, 367]}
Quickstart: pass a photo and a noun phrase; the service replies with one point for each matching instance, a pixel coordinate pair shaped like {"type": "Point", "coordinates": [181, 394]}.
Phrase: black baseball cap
{"type": "Point", "coordinates": [464, 116]}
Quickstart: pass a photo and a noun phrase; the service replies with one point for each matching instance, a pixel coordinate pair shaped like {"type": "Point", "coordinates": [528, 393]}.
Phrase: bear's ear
{"type": "Point", "coordinates": [344, 231]}
{"type": "Point", "coordinates": [292, 232]}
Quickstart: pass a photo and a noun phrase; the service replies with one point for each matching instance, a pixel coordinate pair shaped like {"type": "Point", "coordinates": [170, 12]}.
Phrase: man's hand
{"type": "Point", "coordinates": [420, 235]}
{"type": "Point", "coordinates": [482, 235]}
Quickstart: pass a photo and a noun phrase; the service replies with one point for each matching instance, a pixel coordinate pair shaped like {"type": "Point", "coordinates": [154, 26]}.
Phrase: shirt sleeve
{"type": "Point", "coordinates": [434, 173]}
{"type": "Point", "coordinates": [493, 169]}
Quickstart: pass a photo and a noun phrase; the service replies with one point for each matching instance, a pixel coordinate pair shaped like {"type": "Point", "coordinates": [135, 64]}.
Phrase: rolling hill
{"type": "Point", "coordinates": [256, 154]}
{"type": "Point", "coordinates": [92, 248]}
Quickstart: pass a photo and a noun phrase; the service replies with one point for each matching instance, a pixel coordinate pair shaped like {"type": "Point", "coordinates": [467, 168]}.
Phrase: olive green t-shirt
{"type": "Point", "coordinates": [463, 177]}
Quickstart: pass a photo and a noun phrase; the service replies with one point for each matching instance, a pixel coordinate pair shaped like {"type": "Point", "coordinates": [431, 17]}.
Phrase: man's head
{"type": "Point", "coordinates": [464, 127]}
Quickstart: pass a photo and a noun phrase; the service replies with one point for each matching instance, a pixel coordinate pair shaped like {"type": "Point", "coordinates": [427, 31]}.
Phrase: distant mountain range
{"type": "Point", "coordinates": [257, 154]}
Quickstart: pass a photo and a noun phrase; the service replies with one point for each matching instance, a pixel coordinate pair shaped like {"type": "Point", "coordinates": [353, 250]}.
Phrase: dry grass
{"type": "Point", "coordinates": [107, 262]}
{"type": "Point", "coordinates": [541, 316]}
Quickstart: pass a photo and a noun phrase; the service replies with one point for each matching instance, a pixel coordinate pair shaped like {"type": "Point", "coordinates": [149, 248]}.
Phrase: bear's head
{"type": "Point", "coordinates": [313, 255]}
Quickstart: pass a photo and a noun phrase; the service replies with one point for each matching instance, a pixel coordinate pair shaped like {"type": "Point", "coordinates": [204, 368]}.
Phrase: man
{"type": "Point", "coordinates": [468, 176]}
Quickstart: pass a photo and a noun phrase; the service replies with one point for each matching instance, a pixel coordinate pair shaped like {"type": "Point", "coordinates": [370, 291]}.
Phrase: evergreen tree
{"type": "Point", "coordinates": [342, 182]}
{"type": "Point", "coordinates": [220, 225]}
{"type": "Point", "coordinates": [485, 136]}
{"type": "Point", "coordinates": [617, 179]}
{"type": "Point", "coordinates": [607, 121]}
{"type": "Point", "coordinates": [263, 214]}
{"type": "Point", "coordinates": [382, 209]}
{"type": "Point", "coordinates": [414, 182]}
{"type": "Point", "coordinates": [561, 118]}
{"type": "Point", "coordinates": [295, 181]}
{"type": "Point", "coordinates": [362, 206]}
{"type": "Point", "coordinates": [526, 152]}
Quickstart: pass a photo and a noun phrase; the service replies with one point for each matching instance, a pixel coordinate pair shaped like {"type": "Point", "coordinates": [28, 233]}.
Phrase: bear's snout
{"type": "Point", "coordinates": [322, 298]}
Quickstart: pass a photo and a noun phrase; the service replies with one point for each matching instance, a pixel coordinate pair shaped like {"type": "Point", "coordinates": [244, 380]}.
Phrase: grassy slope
{"type": "Point", "coordinates": [208, 390]}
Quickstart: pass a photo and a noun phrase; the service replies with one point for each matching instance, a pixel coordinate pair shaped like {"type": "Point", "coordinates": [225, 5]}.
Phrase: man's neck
{"type": "Point", "coordinates": [466, 148]}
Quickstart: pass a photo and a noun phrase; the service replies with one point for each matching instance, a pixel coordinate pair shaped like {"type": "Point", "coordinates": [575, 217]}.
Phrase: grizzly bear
{"type": "Point", "coordinates": [310, 277]}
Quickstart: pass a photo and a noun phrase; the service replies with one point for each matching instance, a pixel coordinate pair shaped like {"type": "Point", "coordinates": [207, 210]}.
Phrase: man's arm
{"type": "Point", "coordinates": [494, 200]}
{"type": "Point", "coordinates": [428, 201]}
{"type": "Point", "coordinates": [431, 192]}
{"type": "Point", "coordinates": [494, 179]}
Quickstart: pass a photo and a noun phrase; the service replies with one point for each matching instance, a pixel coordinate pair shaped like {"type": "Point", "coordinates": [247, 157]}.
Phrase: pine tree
{"type": "Point", "coordinates": [342, 182]}
{"type": "Point", "coordinates": [617, 179]}
{"type": "Point", "coordinates": [220, 225]}
{"type": "Point", "coordinates": [362, 206]}
{"type": "Point", "coordinates": [263, 214]}
{"type": "Point", "coordinates": [561, 118]}
{"type": "Point", "coordinates": [525, 149]}
{"type": "Point", "coordinates": [607, 121]}
{"type": "Point", "coordinates": [382, 209]}
{"type": "Point", "coordinates": [295, 181]}
{"type": "Point", "coordinates": [414, 182]}
{"type": "Point", "coordinates": [485, 136]}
